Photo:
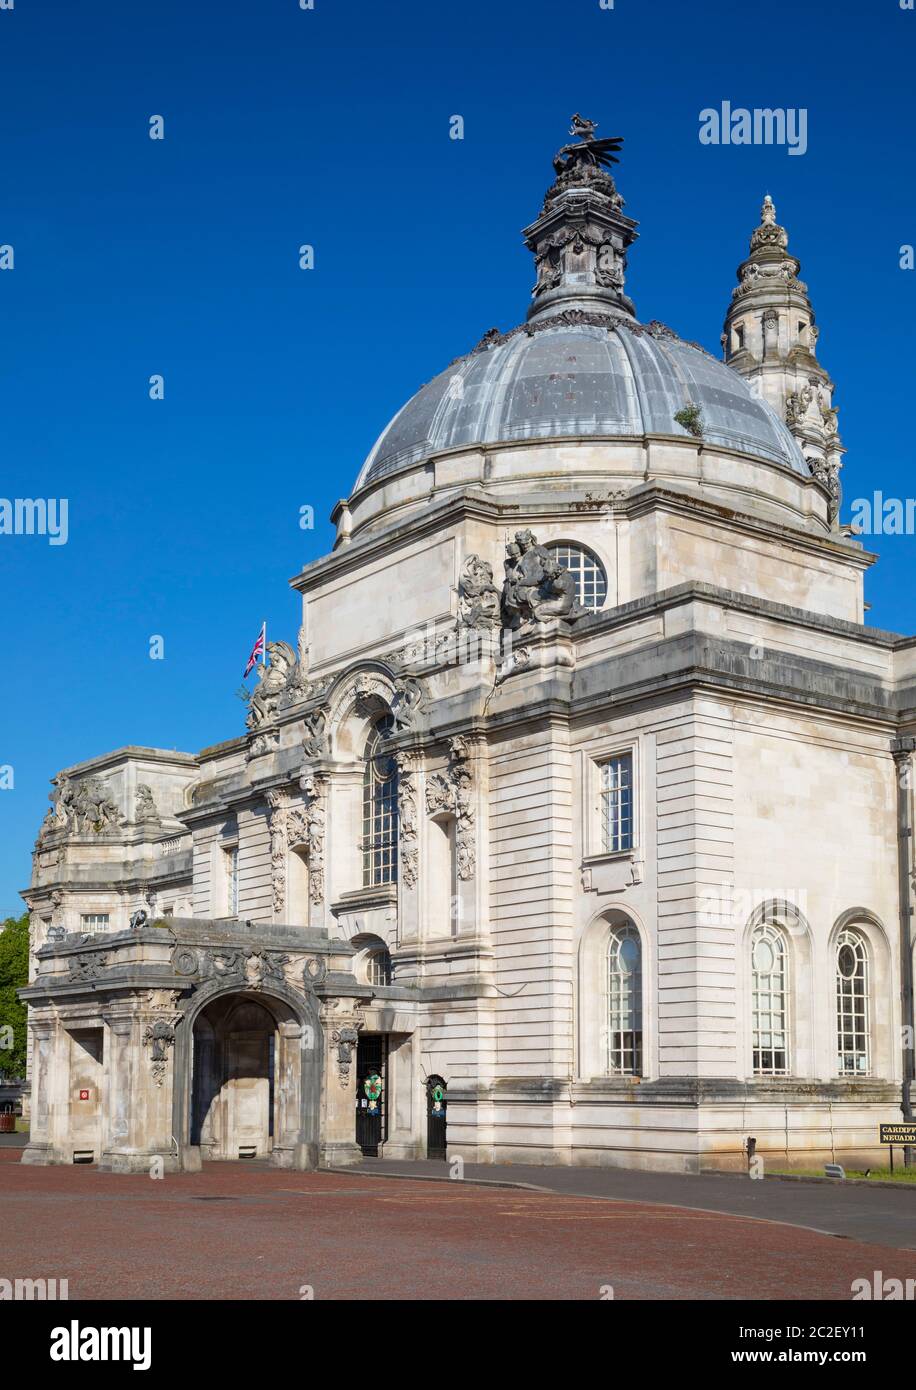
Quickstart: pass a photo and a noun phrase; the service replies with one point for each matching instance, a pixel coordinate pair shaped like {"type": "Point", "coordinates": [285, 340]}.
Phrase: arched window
{"type": "Point", "coordinates": [852, 1020]}
{"type": "Point", "coordinates": [624, 995]}
{"type": "Point", "coordinates": [770, 991]}
{"type": "Point", "coordinates": [586, 569]}
{"type": "Point", "coordinates": [378, 966]}
{"type": "Point", "coordinates": [380, 809]}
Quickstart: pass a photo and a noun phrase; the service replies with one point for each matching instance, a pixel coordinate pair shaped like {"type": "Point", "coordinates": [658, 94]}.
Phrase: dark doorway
{"type": "Point", "coordinates": [436, 1106]}
{"type": "Point", "coordinates": [371, 1092]}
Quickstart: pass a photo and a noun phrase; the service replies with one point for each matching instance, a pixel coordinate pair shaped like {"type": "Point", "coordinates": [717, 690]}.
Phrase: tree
{"type": "Point", "coordinates": [14, 973]}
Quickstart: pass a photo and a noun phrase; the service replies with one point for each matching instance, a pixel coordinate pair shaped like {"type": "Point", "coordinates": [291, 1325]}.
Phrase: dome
{"type": "Point", "coordinates": [578, 374]}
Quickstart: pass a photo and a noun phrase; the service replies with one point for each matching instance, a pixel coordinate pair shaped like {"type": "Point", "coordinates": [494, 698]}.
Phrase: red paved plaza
{"type": "Point", "coordinates": [237, 1231]}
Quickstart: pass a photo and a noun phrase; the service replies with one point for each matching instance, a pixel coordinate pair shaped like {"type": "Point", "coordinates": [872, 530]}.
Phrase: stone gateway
{"type": "Point", "coordinates": [575, 827]}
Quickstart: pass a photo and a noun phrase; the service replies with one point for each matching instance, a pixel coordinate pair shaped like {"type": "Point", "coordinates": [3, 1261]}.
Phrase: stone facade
{"type": "Point", "coordinates": [585, 793]}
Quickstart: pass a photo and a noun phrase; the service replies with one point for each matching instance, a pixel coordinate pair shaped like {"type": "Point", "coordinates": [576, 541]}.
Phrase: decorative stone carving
{"type": "Point", "coordinates": [84, 806]}
{"type": "Point", "coordinates": [828, 475]}
{"type": "Point", "coordinates": [451, 793]}
{"type": "Point", "coordinates": [276, 820]}
{"type": "Point", "coordinates": [315, 789]}
{"type": "Point", "coordinates": [407, 821]}
{"type": "Point", "coordinates": [86, 967]}
{"type": "Point", "coordinates": [159, 1037]}
{"type": "Point", "coordinates": [797, 403]}
{"type": "Point", "coordinates": [406, 703]}
{"type": "Point", "coordinates": [138, 919]}
{"type": "Point", "coordinates": [536, 586]}
{"type": "Point", "coordinates": [345, 1039]}
{"type": "Point", "coordinates": [478, 596]}
{"type": "Point", "coordinates": [519, 659]}
{"type": "Point", "coordinates": [145, 809]}
{"type": "Point", "coordinates": [260, 967]}
{"type": "Point", "coordinates": [315, 736]}
{"type": "Point", "coordinates": [272, 680]}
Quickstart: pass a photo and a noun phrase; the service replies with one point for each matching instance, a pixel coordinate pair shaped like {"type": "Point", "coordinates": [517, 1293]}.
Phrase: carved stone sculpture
{"type": "Point", "coordinates": [536, 586]}
{"type": "Point", "coordinates": [406, 703]}
{"type": "Point", "coordinates": [314, 739]}
{"type": "Point", "coordinates": [478, 596]}
{"type": "Point", "coordinates": [451, 792]}
{"type": "Point", "coordinates": [159, 1037]}
{"type": "Point", "coordinates": [85, 806]}
{"type": "Point", "coordinates": [272, 681]}
{"type": "Point", "coordinates": [407, 822]}
{"type": "Point", "coordinates": [145, 808]}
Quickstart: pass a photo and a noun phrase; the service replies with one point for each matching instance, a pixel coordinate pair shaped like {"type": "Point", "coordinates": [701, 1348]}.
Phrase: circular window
{"type": "Point", "coordinates": [586, 569]}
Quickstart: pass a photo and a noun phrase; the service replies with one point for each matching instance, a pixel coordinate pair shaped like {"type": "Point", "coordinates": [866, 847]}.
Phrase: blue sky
{"type": "Point", "coordinates": [331, 127]}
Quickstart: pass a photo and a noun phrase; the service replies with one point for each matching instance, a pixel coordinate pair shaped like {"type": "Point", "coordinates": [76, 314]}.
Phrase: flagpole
{"type": "Point", "coordinates": [264, 643]}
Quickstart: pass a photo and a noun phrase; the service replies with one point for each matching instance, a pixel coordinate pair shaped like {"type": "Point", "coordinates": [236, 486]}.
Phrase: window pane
{"type": "Point", "coordinates": [625, 1003]}
{"type": "Point", "coordinates": [617, 804]}
{"type": "Point", "coordinates": [852, 1005]}
{"type": "Point", "coordinates": [380, 810]}
{"type": "Point", "coordinates": [589, 575]}
{"type": "Point", "coordinates": [769, 1001]}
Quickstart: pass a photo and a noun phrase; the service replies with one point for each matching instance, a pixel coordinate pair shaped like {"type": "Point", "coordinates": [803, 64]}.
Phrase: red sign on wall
{"type": "Point", "coordinates": [84, 1095]}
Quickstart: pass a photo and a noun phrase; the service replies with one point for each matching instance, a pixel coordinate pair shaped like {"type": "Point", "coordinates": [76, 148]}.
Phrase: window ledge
{"type": "Point", "coordinates": [609, 857]}
{"type": "Point", "coordinates": [379, 894]}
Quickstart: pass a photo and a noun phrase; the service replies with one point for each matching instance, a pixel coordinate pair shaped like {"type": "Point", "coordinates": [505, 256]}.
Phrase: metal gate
{"type": "Point", "coordinates": [371, 1098]}
{"type": "Point", "coordinates": [436, 1106]}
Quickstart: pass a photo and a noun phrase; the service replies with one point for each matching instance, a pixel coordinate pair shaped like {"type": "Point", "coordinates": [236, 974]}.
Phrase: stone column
{"type": "Point", "coordinates": [39, 1146]}
{"type": "Point", "coordinates": [341, 1020]}
{"type": "Point", "coordinates": [406, 1102]}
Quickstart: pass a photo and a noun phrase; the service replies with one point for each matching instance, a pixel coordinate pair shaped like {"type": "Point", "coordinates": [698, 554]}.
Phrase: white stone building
{"type": "Point", "coordinates": [578, 827]}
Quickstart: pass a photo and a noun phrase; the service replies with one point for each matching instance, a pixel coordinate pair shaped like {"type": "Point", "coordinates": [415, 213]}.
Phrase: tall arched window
{"type": "Point", "coordinates": [852, 1014]}
{"type": "Point", "coordinates": [770, 990]}
{"type": "Point", "coordinates": [380, 809]}
{"type": "Point", "coordinates": [624, 996]}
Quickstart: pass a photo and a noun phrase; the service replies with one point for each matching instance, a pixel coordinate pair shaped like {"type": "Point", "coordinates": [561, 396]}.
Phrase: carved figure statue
{"type": "Point", "coordinates": [272, 680]}
{"type": "Point", "coordinates": [536, 586]}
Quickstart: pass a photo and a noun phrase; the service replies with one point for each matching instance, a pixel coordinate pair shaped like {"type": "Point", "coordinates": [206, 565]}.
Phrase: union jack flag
{"type": "Point", "coordinates": [257, 650]}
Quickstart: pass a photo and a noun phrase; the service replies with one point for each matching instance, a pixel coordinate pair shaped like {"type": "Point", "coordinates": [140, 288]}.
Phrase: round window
{"type": "Point", "coordinates": [586, 569]}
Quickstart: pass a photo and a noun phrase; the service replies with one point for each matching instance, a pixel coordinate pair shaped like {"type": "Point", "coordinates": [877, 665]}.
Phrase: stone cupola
{"type": "Point", "coordinates": [581, 238]}
{"type": "Point", "coordinates": [770, 337]}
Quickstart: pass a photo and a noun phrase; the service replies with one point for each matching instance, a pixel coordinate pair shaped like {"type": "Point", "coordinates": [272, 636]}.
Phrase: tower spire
{"type": "Point", "coordinates": [581, 238]}
{"type": "Point", "coordinates": [770, 337]}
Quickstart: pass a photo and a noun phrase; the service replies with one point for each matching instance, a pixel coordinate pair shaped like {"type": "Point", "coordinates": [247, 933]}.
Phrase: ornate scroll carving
{"type": "Point", "coordinates": [315, 789]}
{"type": "Point", "coordinates": [159, 1037]}
{"type": "Point", "coordinates": [345, 1039]}
{"type": "Point", "coordinates": [407, 821]}
{"type": "Point", "coordinates": [451, 792]}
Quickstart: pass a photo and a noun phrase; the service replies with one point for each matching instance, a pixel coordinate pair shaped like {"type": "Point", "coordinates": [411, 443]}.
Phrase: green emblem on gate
{"type": "Point", "coordinates": [373, 1086]}
{"type": "Point", "coordinates": [438, 1094]}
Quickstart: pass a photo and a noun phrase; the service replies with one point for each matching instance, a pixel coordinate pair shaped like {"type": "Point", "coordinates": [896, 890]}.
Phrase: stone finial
{"type": "Point", "coordinates": [581, 238]}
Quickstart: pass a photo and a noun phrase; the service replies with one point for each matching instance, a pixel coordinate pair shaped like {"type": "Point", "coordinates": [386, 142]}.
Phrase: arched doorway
{"type": "Point", "coordinates": [254, 1073]}
{"type": "Point", "coordinates": [436, 1107]}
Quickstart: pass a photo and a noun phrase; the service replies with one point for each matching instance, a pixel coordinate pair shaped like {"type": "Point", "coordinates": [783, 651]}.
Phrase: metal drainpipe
{"type": "Point", "coordinates": [902, 749]}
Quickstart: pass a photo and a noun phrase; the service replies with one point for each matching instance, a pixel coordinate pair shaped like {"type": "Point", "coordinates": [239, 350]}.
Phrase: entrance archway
{"type": "Point", "coordinates": [251, 1067]}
